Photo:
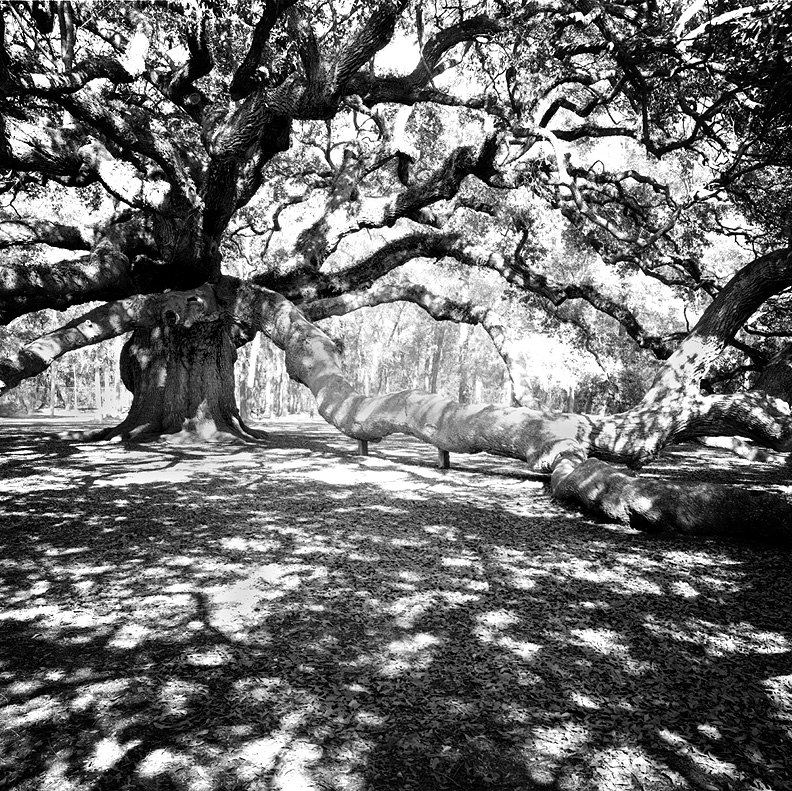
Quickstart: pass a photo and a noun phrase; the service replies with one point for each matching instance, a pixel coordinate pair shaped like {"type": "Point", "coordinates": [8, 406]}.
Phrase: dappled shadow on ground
{"type": "Point", "coordinates": [691, 463]}
{"type": "Point", "coordinates": [293, 616]}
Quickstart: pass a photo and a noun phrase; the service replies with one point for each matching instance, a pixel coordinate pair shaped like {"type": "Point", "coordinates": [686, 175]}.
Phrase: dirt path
{"type": "Point", "coordinates": [293, 616]}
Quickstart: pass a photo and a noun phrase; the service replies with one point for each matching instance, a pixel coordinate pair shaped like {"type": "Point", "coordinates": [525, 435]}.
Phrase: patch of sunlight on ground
{"type": "Point", "coordinates": [161, 475]}
{"type": "Point", "coordinates": [630, 767]}
{"type": "Point", "coordinates": [720, 640]}
{"type": "Point", "coordinates": [108, 752]}
{"type": "Point", "coordinates": [36, 483]}
{"type": "Point", "coordinates": [604, 641]}
{"type": "Point", "coordinates": [714, 767]}
{"type": "Point", "coordinates": [549, 747]}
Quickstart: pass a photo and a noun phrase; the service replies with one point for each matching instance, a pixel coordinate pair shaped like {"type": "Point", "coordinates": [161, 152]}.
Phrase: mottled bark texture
{"type": "Point", "coordinates": [182, 381]}
{"type": "Point", "coordinates": [776, 378]}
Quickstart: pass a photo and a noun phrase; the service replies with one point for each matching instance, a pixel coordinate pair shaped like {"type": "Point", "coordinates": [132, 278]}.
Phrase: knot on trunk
{"type": "Point", "coordinates": [185, 308]}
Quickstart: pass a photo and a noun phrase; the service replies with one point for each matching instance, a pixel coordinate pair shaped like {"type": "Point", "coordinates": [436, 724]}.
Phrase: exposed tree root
{"type": "Point", "coordinates": [248, 432]}
{"type": "Point", "coordinates": [740, 447]}
{"type": "Point", "coordinates": [92, 435]}
{"type": "Point", "coordinates": [235, 431]}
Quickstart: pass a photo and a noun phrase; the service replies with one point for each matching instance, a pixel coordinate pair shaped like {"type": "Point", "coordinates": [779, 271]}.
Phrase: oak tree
{"type": "Point", "coordinates": [166, 135]}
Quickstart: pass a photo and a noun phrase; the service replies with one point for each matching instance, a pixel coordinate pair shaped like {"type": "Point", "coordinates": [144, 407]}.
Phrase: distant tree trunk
{"type": "Point", "coordinates": [283, 392]}
{"type": "Point", "coordinates": [434, 372]}
{"type": "Point", "coordinates": [119, 391]}
{"type": "Point", "coordinates": [269, 394]}
{"type": "Point", "coordinates": [249, 382]}
{"type": "Point", "coordinates": [74, 384]}
{"type": "Point", "coordinates": [462, 364]}
{"type": "Point", "coordinates": [382, 381]}
{"type": "Point", "coordinates": [98, 390]}
{"type": "Point", "coordinates": [109, 409]}
{"type": "Point", "coordinates": [182, 384]}
{"type": "Point", "coordinates": [52, 388]}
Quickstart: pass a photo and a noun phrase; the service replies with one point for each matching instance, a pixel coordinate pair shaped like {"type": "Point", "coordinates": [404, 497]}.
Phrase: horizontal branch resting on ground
{"type": "Point", "coordinates": [561, 444]}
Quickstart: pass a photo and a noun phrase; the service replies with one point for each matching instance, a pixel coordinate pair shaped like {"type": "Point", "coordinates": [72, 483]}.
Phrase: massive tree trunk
{"type": "Point", "coordinates": [182, 384]}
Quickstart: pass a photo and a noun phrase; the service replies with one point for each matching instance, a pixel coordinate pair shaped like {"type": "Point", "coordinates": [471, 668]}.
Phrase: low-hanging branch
{"type": "Point", "coordinates": [105, 273]}
{"type": "Point", "coordinates": [565, 445]}
{"type": "Point", "coordinates": [25, 231]}
{"type": "Point", "coordinates": [515, 270]}
{"type": "Point", "coordinates": [104, 322]}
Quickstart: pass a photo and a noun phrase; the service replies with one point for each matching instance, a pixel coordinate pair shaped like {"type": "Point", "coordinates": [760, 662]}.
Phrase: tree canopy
{"type": "Point", "coordinates": [596, 159]}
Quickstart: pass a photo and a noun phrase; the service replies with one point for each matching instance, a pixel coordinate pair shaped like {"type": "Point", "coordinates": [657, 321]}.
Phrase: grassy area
{"type": "Point", "coordinates": [292, 616]}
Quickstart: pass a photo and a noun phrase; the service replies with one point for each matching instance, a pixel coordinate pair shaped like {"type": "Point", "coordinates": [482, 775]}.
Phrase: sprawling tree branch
{"type": "Point", "coordinates": [370, 39]}
{"type": "Point", "coordinates": [52, 151]}
{"type": "Point", "coordinates": [559, 443]}
{"type": "Point", "coordinates": [135, 140]}
{"type": "Point", "coordinates": [245, 79]}
{"type": "Point", "coordinates": [417, 86]}
{"type": "Point", "coordinates": [569, 446]}
{"type": "Point", "coordinates": [105, 322]}
{"type": "Point", "coordinates": [515, 270]}
{"type": "Point", "coordinates": [120, 264]}
{"type": "Point", "coordinates": [180, 88]}
{"type": "Point", "coordinates": [443, 183]}
{"type": "Point", "coordinates": [52, 85]}
{"type": "Point", "coordinates": [739, 299]}
{"type": "Point", "coordinates": [22, 232]}
{"type": "Point", "coordinates": [241, 130]}
{"type": "Point", "coordinates": [440, 308]}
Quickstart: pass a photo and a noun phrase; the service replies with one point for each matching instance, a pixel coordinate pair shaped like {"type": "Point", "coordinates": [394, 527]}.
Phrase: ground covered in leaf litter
{"type": "Point", "coordinates": [292, 616]}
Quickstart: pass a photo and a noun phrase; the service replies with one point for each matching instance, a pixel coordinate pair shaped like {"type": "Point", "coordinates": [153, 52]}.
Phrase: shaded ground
{"type": "Point", "coordinates": [292, 616]}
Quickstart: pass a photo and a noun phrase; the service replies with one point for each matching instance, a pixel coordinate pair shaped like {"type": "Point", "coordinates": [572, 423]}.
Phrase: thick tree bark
{"type": "Point", "coordinates": [776, 378]}
{"type": "Point", "coordinates": [735, 304]}
{"type": "Point", "coordinates": [182, 383]}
